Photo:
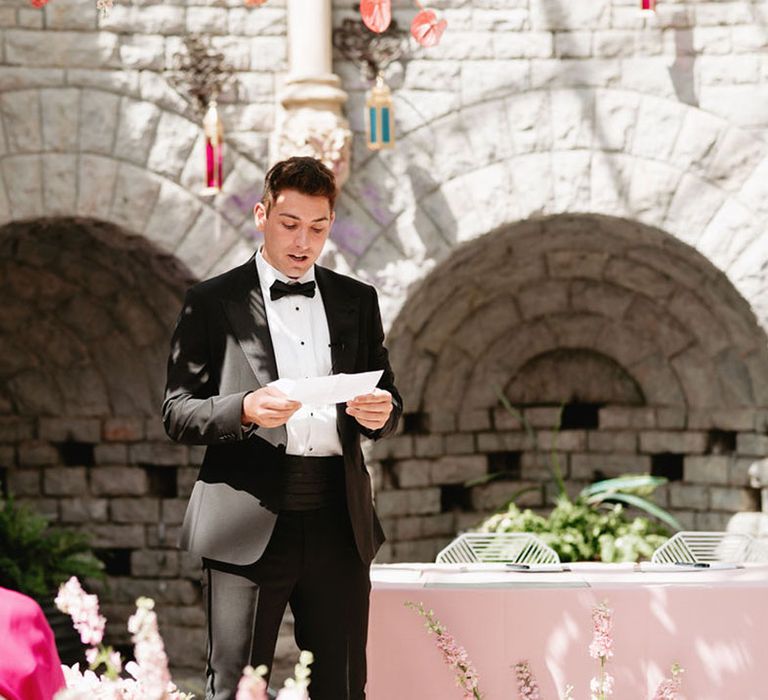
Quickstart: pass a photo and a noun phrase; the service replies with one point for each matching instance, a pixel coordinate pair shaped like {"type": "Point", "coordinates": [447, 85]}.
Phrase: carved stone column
{"type": "Point", "coordinates": [311, 121]}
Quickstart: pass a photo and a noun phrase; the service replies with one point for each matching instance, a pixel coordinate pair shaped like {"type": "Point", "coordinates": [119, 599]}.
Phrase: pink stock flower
{"type": "Point", "coordinates": [151, 666]}
{"type": "Point", "coordinates": [292, 693]}
{"type": "Point", "coordinates": [602, 639]}
{"type": "Point", "coordinates": [601, 687]}
{"type": "Point", "coordinates": [84, 611]}
{"type": "Point", "coordinates": [252, 685]}
{"type": "Point", "coordinates": [453, 655]}
{"type": "Point", "coordinates": [669, 687]}
{"type": "Point", "coordinates": [526, 682]}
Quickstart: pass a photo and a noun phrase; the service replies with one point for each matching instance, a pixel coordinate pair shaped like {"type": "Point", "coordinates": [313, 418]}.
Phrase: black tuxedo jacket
{"type": "Point", "coordinates": [221, 349]}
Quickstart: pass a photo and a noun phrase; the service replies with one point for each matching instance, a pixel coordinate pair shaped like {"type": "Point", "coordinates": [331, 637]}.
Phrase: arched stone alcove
{"type": "Point", "coordinates": [84, 329]}
{"type": "Point", "coordinates": [659, 362]}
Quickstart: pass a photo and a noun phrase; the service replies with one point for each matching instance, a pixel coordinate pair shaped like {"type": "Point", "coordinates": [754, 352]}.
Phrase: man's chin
{"type": "Point", "coordinates": [293, 268]}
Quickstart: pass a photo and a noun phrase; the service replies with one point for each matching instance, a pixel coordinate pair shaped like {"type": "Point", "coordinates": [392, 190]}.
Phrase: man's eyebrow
{"type": "Point", "coordinates": [296, 218]}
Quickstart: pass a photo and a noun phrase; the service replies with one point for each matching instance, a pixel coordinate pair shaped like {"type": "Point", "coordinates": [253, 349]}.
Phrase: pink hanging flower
{"type": "Point", "coordinates": [526, 682]}
{"type": "Point", "coordinates": [254, 3]}
{"type": "Point", "coordinates": [669, 687]}
{"type": "Point", "coordinates": [376, 14]}
{"type": "Point", "coordinates": [454, 656]}
{"type": "Point", "coordinates": [39, 3]}
{"type": "Point", "coordinates": [427, 29]}
{"type": "Point", "coordinates": [84, 611]}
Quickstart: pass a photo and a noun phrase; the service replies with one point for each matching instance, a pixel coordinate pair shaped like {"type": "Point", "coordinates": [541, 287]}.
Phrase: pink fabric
{"type": "Point", "coordinates": [30, 668]}
{"type": "Point", "coordinates": [714, 627]}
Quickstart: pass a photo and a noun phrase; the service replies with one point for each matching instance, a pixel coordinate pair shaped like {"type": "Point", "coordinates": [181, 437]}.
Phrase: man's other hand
{"type": "Point", "coordinates": [371, 410]}
{"type": "Point", "coordinates": [268, 408]}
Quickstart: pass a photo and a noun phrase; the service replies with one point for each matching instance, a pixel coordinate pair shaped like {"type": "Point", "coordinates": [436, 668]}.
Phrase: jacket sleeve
{"type": "Point", "coordinates": [194, 412]}
{"type": "Point", "coordinates": [378, 358]}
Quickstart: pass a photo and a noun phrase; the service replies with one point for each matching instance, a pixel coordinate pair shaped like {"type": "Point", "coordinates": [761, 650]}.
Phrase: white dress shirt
{"type": "Point", "coordinates": [299, 330]}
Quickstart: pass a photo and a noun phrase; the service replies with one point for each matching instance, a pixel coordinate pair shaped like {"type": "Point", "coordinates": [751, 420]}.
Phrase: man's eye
{"type": "Point", "coordinates": [318, 230]}
{"type": "Point", "coordinates": [290, 227]}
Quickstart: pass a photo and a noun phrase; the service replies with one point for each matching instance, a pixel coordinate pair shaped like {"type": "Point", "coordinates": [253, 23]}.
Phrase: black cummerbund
{"type": "Point", "coordinates": [313, 482]}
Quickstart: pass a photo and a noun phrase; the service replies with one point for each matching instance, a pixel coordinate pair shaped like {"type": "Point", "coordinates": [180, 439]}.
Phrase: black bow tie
{"type": "Point", "coordinates": [281, 289]}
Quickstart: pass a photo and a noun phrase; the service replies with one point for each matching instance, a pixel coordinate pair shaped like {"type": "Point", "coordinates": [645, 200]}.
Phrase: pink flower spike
{"type": "Point", "coordinates": [427, 29]}
{"type": "Point", "coordinates": [602, 640]}
{"type": "Point", "coordinates": [669, 687]}
{"type": "Point", "coordinates": [84, 611]}
{"type": "Point", "coordinates": [526, 682]}
{"type": "Point", "coordinates": [376, 14]}
{"type": "Point", "coordinates": [251, 686]}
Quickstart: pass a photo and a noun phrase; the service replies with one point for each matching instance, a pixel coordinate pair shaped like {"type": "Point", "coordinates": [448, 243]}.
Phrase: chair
{"type": "Point", "coordinates": [758, 550]}
{"type": "Point", "coordinates": [498, 547]}
{"type": "Point", "coordinates": [695, 547]}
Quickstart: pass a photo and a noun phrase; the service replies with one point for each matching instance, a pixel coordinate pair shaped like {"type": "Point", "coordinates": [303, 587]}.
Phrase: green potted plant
{"type": "Point", "coordinates": [595, 525]}
{"type": "Point", "coordinates": [35, 558]}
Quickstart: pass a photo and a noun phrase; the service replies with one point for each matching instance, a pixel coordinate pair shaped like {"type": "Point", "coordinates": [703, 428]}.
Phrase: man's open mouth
{"type": "Point", "coordinates": [297, 258]}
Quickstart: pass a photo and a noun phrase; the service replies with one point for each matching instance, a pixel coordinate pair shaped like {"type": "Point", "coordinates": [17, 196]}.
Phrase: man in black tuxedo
{"type": "Point", "coordinates": [281, 512]}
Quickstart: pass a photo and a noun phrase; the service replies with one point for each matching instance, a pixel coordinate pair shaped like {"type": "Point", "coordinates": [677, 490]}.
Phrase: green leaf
{"type": "Point", "coordinates": [647, 506]}
{"type": "Point", "coordinates": [487, 478]}
{"type": "Point", "coordinates": [623, 483]}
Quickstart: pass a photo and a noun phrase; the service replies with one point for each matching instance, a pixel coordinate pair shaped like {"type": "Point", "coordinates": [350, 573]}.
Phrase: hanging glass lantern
{"type": "Point", "coordinates": [380, 117]}
{"type": "Point", "coordinates": [648, 6]}
{"type": "Point", "coordinates": [214, 138]}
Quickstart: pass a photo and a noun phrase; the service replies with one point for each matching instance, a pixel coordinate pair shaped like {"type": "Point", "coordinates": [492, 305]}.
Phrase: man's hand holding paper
{"type": "Point", "coordinates": [268, 407]}
{"type": "Point", "coordinates": [368, 405]}
{"type": "Point", "coordinates": [371, 410]}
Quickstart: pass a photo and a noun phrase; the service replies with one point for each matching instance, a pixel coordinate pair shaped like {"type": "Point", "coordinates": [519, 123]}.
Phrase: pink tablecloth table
{"type": "Point", "coordinates": [714, 623]}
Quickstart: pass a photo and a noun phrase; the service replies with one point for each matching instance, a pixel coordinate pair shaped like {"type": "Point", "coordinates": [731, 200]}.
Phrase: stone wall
{"type": "Point", "coordinates": [529, 111]}
{"type": "Point", "coordinates": [660, 365]}
{"type": "Point", "coordinates": [83, 345]}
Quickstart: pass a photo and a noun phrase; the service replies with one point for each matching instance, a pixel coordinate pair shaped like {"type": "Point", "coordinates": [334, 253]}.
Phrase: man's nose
{"type": "Point", "coordinates": [302, 237]}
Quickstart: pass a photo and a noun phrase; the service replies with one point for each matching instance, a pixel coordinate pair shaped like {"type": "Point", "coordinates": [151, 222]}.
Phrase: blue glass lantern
{"type": "Point", "coordinates": [379, 117]}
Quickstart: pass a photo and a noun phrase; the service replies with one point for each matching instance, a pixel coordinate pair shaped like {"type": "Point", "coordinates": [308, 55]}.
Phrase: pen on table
{"type": "Point", "coordinates": [522, 567]}
{"type": "Point", "coordinates": [695, 564]}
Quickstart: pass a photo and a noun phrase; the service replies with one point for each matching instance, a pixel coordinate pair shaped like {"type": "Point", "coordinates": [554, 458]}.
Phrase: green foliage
{"type": "Point", "coordinates": [595, 526]}
{"type": "Point", "coordinates": [578, 531]}
{"type": "Point", "coordinates": [36, 558]}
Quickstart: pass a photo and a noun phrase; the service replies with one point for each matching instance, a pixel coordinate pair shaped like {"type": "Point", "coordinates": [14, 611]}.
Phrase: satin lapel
{"type": "Point", "coordinates": [248, 318]}
{"type": "Point", "coordinates": [343, 315]}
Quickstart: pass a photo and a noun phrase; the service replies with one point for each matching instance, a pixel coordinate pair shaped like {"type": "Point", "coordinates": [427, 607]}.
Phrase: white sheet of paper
{"type": "Point", "coordinates": [335, 388]}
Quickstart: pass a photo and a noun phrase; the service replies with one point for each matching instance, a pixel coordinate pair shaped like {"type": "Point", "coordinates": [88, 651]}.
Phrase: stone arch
{"type": "Point", "coordinates": [85, 324]}
{"type": "Point", "coordinates": [619, 289]}
{"type": "Point", "coordinates": [659, 363]}
{"type": "Point", "coordinates": [544, 152]}
{"type": "Point", "coordinates": [140, 168]}
{"type": "Point", "coordinates": [84, 328]}
{"type": "Point", "coordinates": [591, 377]}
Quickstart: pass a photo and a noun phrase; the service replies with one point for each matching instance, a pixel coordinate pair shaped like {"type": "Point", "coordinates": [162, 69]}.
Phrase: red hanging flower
{"type": "Point", "coordinates": [376, 14]}
{"type": "Point", "coordinates": [39, 3]}
{"type": "Point", "coordinates": [254, 3]}
{"type": "Point", "coordinates": [427, 29]}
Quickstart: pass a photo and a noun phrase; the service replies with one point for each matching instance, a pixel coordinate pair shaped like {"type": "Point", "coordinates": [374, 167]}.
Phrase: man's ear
{"type": "Point", "coordinates": [260, 215]}
{"type": "Point", "coordinates": [332, 219]}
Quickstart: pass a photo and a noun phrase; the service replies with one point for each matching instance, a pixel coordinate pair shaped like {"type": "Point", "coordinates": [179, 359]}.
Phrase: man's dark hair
{"type": "Point", "coordinates": [303, 174]}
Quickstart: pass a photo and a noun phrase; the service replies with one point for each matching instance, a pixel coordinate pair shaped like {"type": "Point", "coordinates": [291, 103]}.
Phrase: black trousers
{"type": "Point", "coordinates": [312, 564]}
